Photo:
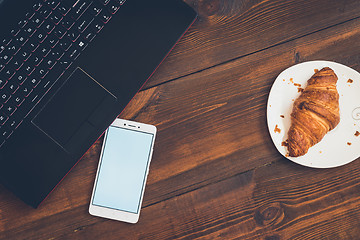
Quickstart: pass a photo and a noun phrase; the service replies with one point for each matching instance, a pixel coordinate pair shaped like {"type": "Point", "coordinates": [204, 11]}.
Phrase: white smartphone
{"type": "Point", "coordinates": [122, 172]}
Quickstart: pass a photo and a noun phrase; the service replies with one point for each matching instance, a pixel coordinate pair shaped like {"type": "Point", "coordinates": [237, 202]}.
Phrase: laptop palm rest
{"type": "Point", "coordinates": [75, 111]}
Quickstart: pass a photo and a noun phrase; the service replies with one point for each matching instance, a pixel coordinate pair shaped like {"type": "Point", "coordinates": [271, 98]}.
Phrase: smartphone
{"type": "Point", "coordinates": [122, 172]}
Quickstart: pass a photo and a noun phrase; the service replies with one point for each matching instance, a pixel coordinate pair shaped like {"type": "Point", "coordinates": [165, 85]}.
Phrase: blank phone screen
{"type": "Point", "coordinates": [122, 173]}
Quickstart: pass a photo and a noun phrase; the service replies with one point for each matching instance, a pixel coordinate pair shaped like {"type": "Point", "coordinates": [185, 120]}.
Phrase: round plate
{"type": "Point", "coordinates": [339, 146]}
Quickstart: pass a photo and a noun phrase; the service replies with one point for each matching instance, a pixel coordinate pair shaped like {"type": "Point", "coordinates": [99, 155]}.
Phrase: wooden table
{"type": "Point", "coordinates": [215, 172]}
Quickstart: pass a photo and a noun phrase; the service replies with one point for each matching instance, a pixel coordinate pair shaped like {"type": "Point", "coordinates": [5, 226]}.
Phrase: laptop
{"type": "Point", "coordinates": [67, 70]}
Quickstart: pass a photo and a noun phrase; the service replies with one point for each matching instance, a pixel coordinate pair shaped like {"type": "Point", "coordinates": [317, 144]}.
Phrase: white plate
{"type": "Point", "coordinates": [339, 146]}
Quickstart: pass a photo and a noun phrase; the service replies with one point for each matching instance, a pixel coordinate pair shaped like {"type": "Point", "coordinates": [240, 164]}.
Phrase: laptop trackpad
{"type": "Point", "coordinates": [75, 111]}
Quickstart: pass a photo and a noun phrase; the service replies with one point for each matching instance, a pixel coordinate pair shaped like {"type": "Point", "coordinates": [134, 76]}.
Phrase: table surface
{"type": "Point", "coordinates": [215, 172]}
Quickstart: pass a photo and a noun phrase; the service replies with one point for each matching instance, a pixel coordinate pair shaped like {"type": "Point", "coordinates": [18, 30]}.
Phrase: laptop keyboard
{"type": "Point", "coordinates": [41, 48]}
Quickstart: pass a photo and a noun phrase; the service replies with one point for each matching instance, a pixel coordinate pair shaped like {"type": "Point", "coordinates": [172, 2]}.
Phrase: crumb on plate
{"type": "Point", "coordinates": [282, 116]}
{"type": "Point", "coordinates": [357, 133]}
{"type": "Point", "coordinates": [349, 143]}
{"type": "Point", "coordinates": [277, 129]}
{"type": "Point", "coordinates": [350, 81]}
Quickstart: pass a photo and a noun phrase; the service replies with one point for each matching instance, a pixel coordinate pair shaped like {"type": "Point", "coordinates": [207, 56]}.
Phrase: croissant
{"type": "Point", "coordinates": [315, 112]}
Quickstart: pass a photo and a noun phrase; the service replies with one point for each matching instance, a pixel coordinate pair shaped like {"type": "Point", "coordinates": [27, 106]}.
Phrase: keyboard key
{"type": "Point", "coordinates": [5, 41]}
{"type": "Point", "coordinates": [11, 88]}
{"type": "Point", "coordinates": [17, 99]}
{"type": "Point", "coordinates": [96, 8]}
{"type": "Point", "coordinates": [48, 27]}
{"type": "Point", "coordinates": [35, 60]}
{"type": "Point", "coordinates": [65, 43]}
{"type": "Point", "coordinates": [73, 53]}
{"type": "Point", "coordinates": [84, 22]}
{"type": "Point", "coordinates": [24, 54]}
{"type": "Point", "coordinates": [22, 23]}
{"type": "Point", "coordinates": [27, 69]}
{"type": "Point", "coordinates": [37, 20]}
{"type": "Point", "coordinates": [60, 31]}
{"type": "Point", "coordinates": [105, 16]}
{"type": "Point", "coordinates": [81, 45]}
{"type": "Point", "coordinates": [89, 34]}
{"type": "Point", "coordinates": [44, 50]}
{"type": "Point", "coordinates": [56, 17]}
{"type": "Point", "coordinates": [114, 6]}
{"type": "Point", "coordinates": [5, 57]}
{"type": "Point", "coordinates": [13, 49]}
{"type": "Point", "coordinates": [24, 91]}
{"type": "Point", "coordinates": [33, 82]}
{"type": "Point", "coordinates": [45, 11]}
{"type": "Point", "coordinates": [2, 48]}
{"type": "Point", "coordinates": [21, 38]}
{"type": "Point", "coordinates": [20, 78]}
{"type": "Point", "coordinates": [13, 123]}
{"type": "Point", "coordinates": [33, 44]}
{"type": "Point", "coordinates": [15, 31]}
{"type": "Point", "coordinates": [98, 26]}
{"type": "Point", "coordinates": [67, 22]}
{"type": "Point", "coordinates": [9, 110]}
{"type": "Point", "coordinates": [52, 40]}
{"type": "Point", "coordinates": [40, 36]}
{"type": "Point", "coordinates": [3, 118]}
{"type": "Point", "coordinates": [49, 63]}
{"type": "Point", "coordinates": [3, 81]}
{"type": "Point", "coordinates": [73, 34]}
{"type": "Point", "coordinates": [79, 9]}
{"type": "Point", "coordinates": [5, 133]}
{"type": "Point", "coordinates": [15, 64]}
{"type": "Point", "coordinates": [64, 64]}
{"type": "Point", "coordinates": [42, 70]}
{"type": "Point", "coordinates": [9, 73]}
{"type": "Point", "coordinates": [57, 53]}
{"type": "Point", "coordinates": [37, 6]}
{"type": "Point", "coordinates": [63, 9]}
{"type": "Point", "coordinates": [4, 97]}
{"type": "Point", "coordinates": [105, 2]}
{"type": "Point", "coordinates": [30, 29]}
{"type": "Point", "coordinates": [53, 3]}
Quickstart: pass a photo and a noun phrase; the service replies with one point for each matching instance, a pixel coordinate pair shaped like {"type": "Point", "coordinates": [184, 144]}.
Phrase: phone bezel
{"type": "Point", "coordinates": [113, 213]}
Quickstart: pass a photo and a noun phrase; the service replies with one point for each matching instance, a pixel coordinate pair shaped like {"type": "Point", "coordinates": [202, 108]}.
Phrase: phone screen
{"type": "Point", "coordinates": [122, 171]}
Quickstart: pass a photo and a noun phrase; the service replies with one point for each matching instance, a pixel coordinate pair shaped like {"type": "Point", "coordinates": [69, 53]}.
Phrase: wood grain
{"type": "Point", "coordinates": [229, 29]}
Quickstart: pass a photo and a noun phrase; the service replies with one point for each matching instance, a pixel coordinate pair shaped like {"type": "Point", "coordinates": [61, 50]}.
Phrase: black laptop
{"type": "Point", "coordinates": [67, 70]}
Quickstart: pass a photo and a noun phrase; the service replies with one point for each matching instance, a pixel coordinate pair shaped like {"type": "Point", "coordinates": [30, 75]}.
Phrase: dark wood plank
{"type": "Point", "coordinates": [276, 201]}
{"type": "Point", "coordinates": [230, 29]}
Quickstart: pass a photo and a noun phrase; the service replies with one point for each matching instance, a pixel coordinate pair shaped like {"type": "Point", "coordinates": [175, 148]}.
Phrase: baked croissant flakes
{"type": "Point", "coordinates": [315, 112]}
